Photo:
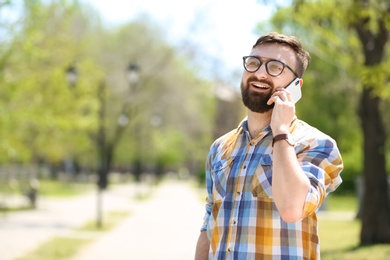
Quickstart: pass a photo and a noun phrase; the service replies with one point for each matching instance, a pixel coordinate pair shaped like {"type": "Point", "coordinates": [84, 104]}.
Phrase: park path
{"type": "Point", "coordinates": [164, 226]}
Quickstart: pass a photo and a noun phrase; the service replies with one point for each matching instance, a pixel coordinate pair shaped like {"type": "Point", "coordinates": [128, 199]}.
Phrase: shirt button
{"type": "Point", "coordinates": [230, 249]}
{"type": "Point", "coordinates": [244, 167]}
{"type": "Point", "coordinates": [234, 222]}
{"type": "Point", "coordinates": [238, 193]}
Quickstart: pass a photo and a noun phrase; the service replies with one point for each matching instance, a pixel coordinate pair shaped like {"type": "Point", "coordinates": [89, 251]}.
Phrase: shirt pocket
{"type": "Point", "coordinates": [220, 172]}
{"type": "Point", "coordinates": [262, 178]}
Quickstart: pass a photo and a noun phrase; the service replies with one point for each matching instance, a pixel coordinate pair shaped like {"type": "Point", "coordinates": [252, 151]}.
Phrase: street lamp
{"type": "Point", "coordinates": [132, 73]}
{"type": "Point", "coordinates": [132, 78]}
{"type": "Point", "coordinates": [71, 75]}
{"type": "Point", "coordinates": [105, 146]}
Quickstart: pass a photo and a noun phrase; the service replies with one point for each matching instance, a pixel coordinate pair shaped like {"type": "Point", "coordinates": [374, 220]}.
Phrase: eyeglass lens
{"type": "Point", "coordinates": [273, 67]}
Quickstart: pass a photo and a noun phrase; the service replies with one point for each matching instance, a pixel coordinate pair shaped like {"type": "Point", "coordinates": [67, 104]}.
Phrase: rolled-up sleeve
{"type": "Point", "coordinates": [322, 163]}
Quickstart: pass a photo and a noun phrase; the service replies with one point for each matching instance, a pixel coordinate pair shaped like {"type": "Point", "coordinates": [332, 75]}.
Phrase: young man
{"type": "Point", "coordinates": [266, 179]}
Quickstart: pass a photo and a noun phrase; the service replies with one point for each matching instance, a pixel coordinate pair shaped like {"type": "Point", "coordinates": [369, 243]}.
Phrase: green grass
{"type": "Point", "coordinates": [63, 189]}
{"type": "Point", "coordinates": [340, 240]}
{"type": "Point", "coordinates": [14, 209]}
{"type": "Point", "coordinates": [108, 222]}
{"type": "Point", "coordinates": [335, 202]}
{"type": "Point", "coordinates": [59, 248]}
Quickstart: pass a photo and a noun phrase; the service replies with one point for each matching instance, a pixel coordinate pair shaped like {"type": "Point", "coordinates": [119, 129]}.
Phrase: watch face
{"type": "Point", "coordinates": [290, 139]}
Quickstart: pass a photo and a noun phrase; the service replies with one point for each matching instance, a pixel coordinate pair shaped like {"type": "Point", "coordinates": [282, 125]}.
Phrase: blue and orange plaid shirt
{"type": "Point", "coordinates": [241, 219]}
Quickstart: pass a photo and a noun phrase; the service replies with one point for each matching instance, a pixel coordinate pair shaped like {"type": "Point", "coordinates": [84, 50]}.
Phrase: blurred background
{"type": "Point", "coordinates": [94, 94]}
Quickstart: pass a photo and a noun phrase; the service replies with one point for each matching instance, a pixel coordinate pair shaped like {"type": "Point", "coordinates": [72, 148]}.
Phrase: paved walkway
{"type": "Point", "coordinates": [163, 228]}
{"type": "Point", "coordinates": [166, 226]}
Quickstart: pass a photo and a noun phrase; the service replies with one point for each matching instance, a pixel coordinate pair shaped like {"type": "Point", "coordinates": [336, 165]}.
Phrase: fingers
{"type": "Point", "coordinates": [280, 95]}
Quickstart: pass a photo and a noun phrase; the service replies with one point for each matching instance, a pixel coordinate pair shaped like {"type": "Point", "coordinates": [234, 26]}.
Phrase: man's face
{"type": "Point", "coordinates": [257, 87]}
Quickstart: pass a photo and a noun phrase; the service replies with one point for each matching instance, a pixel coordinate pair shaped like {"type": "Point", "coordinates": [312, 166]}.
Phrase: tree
{"type": "Point", "coordinates": [48, 120]}
{"type": "Point", "coordinates": [330, 33]}
{"type": "Point", "coordinates": [155, 127]}
{"type": "Point", "coordinates": [373, 31]}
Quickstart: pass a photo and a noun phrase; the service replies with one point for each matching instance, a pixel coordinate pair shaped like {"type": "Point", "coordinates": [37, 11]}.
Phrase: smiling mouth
{"type": "Point", "coordinates": [260, 86]}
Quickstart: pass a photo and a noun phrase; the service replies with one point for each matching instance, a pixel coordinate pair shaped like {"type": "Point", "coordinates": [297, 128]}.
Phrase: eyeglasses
{"type": "Point", "coordinates": [273, 67]}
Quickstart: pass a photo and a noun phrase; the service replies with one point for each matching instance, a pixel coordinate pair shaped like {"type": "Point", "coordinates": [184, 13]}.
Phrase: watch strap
{"type": "Point", "coordinates": [280, 137]}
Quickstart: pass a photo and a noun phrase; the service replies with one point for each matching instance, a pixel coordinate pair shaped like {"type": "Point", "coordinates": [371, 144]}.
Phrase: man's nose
{"type": "Point", "coordinates": [262, 71]}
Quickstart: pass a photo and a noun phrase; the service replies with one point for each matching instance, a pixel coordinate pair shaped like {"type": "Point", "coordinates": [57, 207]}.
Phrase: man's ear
{"type": "Point", "coordinates": [301, 82]}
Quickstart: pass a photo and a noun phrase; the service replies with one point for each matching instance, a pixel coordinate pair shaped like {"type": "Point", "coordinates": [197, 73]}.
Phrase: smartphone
{"type": "Point", "coordinates": [295, 88]}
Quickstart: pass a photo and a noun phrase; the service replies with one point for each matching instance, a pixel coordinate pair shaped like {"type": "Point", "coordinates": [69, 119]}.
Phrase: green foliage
{"type": "Point", "coordinates": [172, 107]}
{"type": "Point", "coordinates": [378, 77]}
{"type": "Point", "coordinates": [36, 95]}
{"type": "Point", "coordinates": [334, 80]}
{"type": "Point", "coordinates": [43, 118]}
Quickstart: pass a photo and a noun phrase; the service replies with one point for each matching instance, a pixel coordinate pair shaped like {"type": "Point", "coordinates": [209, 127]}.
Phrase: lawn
{"type": "Point", "coordinates": [59, 248]}
{"type": "Point", "coordinates": [63, 189]}
{"type": "Point", "coordinates": [340, 238]}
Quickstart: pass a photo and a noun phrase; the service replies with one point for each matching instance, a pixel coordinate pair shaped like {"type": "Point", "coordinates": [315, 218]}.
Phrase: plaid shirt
{"type": "Point", "coordinates": [241, 219]}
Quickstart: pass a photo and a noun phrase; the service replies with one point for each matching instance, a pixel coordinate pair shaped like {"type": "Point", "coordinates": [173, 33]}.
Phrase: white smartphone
{"type": "Point", "coordinates": [295, 88]}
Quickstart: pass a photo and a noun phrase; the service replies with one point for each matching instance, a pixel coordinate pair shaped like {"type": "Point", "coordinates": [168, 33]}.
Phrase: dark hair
{"type": "Point", "coordinates": [303, 56]}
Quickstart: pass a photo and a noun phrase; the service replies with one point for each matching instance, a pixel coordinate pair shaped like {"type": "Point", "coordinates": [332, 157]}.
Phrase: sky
{"type": "Point", "coordinates": [227, 27]}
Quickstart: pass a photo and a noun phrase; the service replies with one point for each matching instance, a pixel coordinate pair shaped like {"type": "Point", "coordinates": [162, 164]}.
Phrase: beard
{"type": "Point", "coordinates": [254, 101]}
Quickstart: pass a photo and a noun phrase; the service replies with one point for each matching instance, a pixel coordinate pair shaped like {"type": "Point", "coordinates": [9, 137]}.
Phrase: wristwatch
{"type": "Point", "coordinates": [288, 137]}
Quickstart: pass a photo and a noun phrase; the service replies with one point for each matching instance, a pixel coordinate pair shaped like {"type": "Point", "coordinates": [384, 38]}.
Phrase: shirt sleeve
{"type": "Point", "coordinates": [322, 163]}
{"type": "Point", "coordinates": [209, 198]}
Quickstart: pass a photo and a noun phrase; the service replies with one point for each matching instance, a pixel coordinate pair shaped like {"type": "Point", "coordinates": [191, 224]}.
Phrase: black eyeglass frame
{"type": "Point", "coordinates": [266, 67]}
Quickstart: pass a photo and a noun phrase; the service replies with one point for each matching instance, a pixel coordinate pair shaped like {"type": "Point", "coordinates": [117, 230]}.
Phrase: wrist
{"type": "Point", "coordinates": [279, 131]}
{"type": "Point", "coordinates": [284, 137]}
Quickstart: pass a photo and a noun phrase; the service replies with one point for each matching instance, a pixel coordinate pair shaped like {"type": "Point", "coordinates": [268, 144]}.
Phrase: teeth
{"type": "Point", "coordinates": [260, 86]}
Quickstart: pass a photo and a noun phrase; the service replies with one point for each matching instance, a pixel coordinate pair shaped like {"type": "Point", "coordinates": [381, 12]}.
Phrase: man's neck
{"type": "Point", "coordinates": [257, 122]}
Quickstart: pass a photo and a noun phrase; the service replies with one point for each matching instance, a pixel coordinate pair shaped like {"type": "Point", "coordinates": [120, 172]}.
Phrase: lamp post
{"type": "Point", "coordinates": [132, 73]}
{"type": "Point", "coordinates": [105, 146]}
{"type": "Point", "coordinates": [72, 75]}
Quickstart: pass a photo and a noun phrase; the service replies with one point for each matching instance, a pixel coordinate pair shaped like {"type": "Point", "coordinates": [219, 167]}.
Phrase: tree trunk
{"type": "Point", "coordinates": [101, 142]}
{"type": "Point", "coordinates": [376, 205]}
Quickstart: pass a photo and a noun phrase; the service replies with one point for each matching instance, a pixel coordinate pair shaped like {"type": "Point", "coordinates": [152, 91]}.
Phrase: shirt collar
{"type": "Point", "coordinates": [243, 128]}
